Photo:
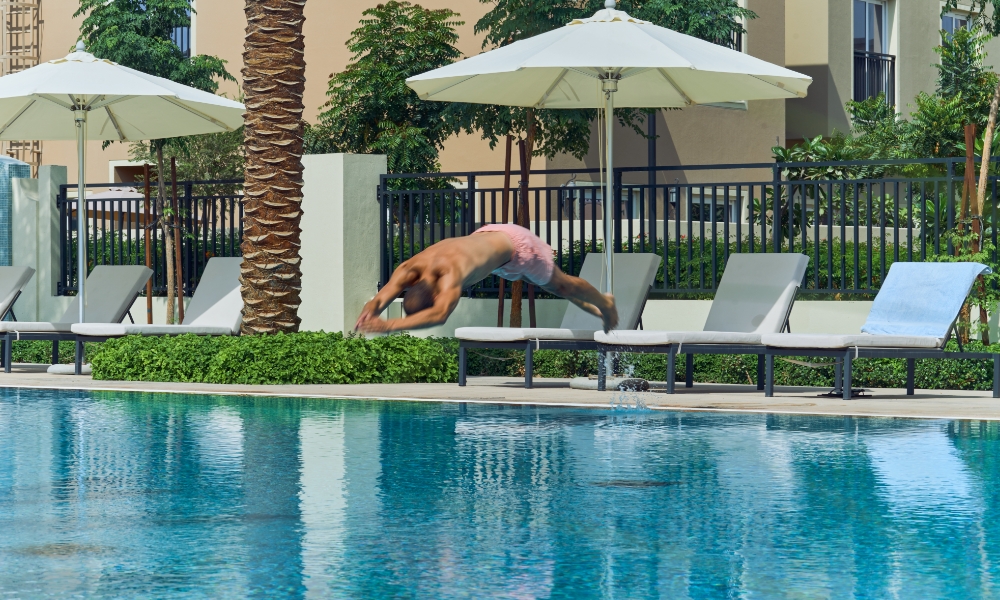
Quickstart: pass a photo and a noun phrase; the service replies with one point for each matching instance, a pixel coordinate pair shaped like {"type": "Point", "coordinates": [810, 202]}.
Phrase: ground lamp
{"type": "Point", "coordinates": [84, 98]}
{"type": "Point", "coordinates": [609, 60]}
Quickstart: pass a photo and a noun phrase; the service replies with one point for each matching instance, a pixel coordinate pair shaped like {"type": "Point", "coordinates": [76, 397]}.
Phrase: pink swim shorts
{"type": "Point", "coordinates": [532, 258]}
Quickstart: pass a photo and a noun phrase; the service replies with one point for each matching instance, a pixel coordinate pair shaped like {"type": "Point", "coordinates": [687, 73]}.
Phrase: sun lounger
{"type": "Point", "coordinates": [215, 309]}
{"type": "Point", "coordinates": [634, 276]}
{"type": "Point", "coordinates": [754, 297]}
{"type": "Point", "coordinates": [12, 282]}
{"type": "Point", "coordinates": [111, 291]}
{"type": "Point", "coordinates": [912, 317]}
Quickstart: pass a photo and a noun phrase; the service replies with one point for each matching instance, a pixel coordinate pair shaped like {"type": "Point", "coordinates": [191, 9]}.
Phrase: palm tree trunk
{"type": "Point", "coordinates": [168, 234]}
{"type": "Point", "coordinates": [273, 83]}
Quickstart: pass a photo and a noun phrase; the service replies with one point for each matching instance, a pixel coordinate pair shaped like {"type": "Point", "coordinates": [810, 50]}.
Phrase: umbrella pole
{"type": "Point", "coordinates": [610, 86]}
{"type": "Point", "coordinates": [80, 116]}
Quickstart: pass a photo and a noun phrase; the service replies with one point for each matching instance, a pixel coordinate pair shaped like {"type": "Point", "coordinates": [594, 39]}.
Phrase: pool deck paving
{"type": "Point", "coordinates": [556, 392]}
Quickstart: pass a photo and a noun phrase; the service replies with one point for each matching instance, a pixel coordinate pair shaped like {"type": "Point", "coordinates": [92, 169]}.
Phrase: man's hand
{"type": "Point", "coordinates": [368, 313]}
{"type": "Point", "coordinates": [375, 325]}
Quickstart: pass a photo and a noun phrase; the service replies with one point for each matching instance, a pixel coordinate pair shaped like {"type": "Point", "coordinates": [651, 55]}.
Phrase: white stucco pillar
{"type": "Point", "coordinates": [36, 243]}
{"type": "Point", "coordinates": [340, 238]}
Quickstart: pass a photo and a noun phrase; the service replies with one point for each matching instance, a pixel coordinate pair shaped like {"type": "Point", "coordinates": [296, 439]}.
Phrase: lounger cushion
{"type": "Point", "coordinates": [35, 327]}
{"type": "Point", "coordinates": [824, 341]}
{"type": "Point", "coordinates": [517, 334]}
{"type": "Point", "coordinates": [12, 281]}
{"type": "Point", "coordinates": [218, 302]}
{"type": "Point", "coordinates": [656, 338]}
{"type": "Point", "coordinates": [634, 274]}
{"type": "Point", "coordinates": [921, 299]}
{"type": "Point", "coordinates": [756, 292]}
{"type": "Point", "coordinates": [111, 289]}
{"type": "Point", "coordinates": [122, 329]}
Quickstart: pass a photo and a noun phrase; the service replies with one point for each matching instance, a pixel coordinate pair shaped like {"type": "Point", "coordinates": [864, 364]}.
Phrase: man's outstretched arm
{"type": "Point", "coordinates": [401, 279]}
{"type": "Point", "coordinates": [444, 305]}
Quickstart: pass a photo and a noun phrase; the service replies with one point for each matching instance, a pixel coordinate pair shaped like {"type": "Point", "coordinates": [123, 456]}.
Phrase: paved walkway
{"type": "Point", "coordinates": [556, 392]}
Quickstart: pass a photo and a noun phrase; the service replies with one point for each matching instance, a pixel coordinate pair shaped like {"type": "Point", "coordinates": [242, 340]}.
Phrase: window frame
{"type": "Point", "coordinates": [870, 40]}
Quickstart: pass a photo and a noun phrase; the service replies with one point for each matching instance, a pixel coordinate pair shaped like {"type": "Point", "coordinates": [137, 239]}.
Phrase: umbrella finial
{"type": "Point", "coordinates": [80, 46]}
{"type": "Point", "coordinates": [610, 4]}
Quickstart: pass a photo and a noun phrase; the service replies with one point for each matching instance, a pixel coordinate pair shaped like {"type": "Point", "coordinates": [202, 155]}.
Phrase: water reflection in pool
{"type": "Point", "coordinates": [110, 494]}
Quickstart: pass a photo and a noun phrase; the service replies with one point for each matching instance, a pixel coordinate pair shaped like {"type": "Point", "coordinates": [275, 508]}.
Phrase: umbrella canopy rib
{"type": "Point", "coordinates": [677, 88]}
{"type": "Point", "coordinates": [16, 116]}
{"type": "Point", "coordinates": [114, 121]}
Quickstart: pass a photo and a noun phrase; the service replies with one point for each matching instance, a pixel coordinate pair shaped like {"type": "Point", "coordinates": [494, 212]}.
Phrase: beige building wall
{"type": "Point", "coordinates": [819, 43]}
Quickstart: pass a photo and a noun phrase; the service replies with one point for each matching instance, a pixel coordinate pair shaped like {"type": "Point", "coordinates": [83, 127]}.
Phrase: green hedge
{"type": "Point", "coordinates": [275, 359]}
{"type": "Point", "coordinates": [333, 358]}
{"type": "Point", "coordinates": [40, 351]}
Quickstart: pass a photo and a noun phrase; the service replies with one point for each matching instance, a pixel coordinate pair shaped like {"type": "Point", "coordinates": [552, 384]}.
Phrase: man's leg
{"type": "Point", "coordinates": [581, 293]}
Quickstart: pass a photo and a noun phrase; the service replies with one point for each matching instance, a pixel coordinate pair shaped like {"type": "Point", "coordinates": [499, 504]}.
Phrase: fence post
{"type": "Point", "coordinates": [383, 198]}
{"type": "Point", "coordinates": [64, 254]}
{"type": "Point", "coordinates": [470, 210]}
{"type": "Point", "coordinates": [775, 209]}
{"type": "Point", "coordinates": [950, 204]}
{"type": "Point", "coordinates": [617, 206]}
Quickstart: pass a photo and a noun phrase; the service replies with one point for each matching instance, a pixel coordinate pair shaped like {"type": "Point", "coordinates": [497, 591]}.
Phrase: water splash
{"type": "Point", "coordinates": [630, 402]}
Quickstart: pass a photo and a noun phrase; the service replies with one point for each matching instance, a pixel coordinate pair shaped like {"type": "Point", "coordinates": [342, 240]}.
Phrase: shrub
{"type": "Point", "coordinates": [299, 358]}
{"type": "Point", "coordinates": [40, 351]}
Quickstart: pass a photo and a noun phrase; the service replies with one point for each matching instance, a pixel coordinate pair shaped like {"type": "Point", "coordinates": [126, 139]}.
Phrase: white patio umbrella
{"type": "Point", "coordinates": [81, 97]}
{"type": "Point", "coordinates": [609, 60]}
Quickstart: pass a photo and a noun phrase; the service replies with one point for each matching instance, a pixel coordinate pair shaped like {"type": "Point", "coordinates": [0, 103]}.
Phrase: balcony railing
{"type": "Point", "coordinates": [874, 74]}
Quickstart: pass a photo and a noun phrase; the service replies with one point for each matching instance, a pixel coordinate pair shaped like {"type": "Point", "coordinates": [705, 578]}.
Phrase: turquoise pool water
{"type": "Point", "coordinates": [119, 495]}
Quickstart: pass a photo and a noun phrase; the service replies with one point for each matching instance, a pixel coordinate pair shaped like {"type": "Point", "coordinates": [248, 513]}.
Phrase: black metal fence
{"type": "Point", "coordinates": [210, 215]}
{"type": "Point", "coordinates": [853, 227]}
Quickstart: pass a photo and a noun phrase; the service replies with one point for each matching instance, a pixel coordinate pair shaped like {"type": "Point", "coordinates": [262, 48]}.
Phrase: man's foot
{"type": "Point", "coordinates": [610, 313]}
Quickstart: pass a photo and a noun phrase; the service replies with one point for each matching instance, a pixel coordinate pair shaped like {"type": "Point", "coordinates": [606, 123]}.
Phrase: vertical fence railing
{"type": "Point", "coordinates": [874, 74]}
{"type": "Point", "coordinates": [852, 229]}
{"type": "Point", "coordinates": [211, 219]}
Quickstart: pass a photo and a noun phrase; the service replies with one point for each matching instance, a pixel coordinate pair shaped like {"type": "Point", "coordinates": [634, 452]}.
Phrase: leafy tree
{"type": "Point", "coordinates": [137, 34]}
{"type": "Point", "coordinates": [212, 156]}
{"type": "Point", "coordinates": [370, 108]}
{"type": "Point", "coordinates": [988, 21]}
{"type": "Point", "coordinates": [962, 96]}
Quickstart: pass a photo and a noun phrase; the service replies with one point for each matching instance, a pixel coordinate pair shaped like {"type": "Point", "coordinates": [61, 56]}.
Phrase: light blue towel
{"type": "Point", "coordinates": [921, 298]}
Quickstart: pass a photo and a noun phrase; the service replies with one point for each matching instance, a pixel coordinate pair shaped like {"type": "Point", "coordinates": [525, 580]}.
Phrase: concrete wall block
{"type": "Point", "coordinates": [25, 240]}
{"type": "Point", "coordinates": [340, 233]}
{"type": "Point", "coordinates": [50, 177]}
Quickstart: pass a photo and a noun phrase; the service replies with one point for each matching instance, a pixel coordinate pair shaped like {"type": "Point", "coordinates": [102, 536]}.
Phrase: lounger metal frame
{"type": "Point", "coordinates": [531, 345]}
{"type": "Point", "coordinates": [55, 337]}
{"type": "Point", "coordinates": [842, 367]}
{"type": "Point", "coordinates": [689, 350]}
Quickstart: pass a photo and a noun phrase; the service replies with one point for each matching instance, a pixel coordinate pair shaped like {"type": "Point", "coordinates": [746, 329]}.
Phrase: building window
{"type": "Point", "coordinates": [870, 27]}
{"type": "Point", "coordinates": [182, 37]}
{"type": "Point", "coordinates": [955, 21]}
{"type": "Point", "coordinates": [874, 67]}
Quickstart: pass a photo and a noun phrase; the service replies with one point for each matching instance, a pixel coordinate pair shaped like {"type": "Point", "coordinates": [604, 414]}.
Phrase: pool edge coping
{"type": "Point", "coordinates": [602, 406]}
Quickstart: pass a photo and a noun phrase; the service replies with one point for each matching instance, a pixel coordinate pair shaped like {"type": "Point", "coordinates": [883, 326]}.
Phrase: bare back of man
{"type": "Point", "coordinates": [433, 280]}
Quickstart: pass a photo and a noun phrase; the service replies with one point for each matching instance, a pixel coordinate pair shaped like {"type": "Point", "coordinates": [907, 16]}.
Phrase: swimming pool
{"type": "Point", "coordinates": [112, 494]}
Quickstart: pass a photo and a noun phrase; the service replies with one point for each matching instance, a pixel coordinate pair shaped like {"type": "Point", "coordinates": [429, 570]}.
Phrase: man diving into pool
{"type": "Point", "coordinates": [432, 281]}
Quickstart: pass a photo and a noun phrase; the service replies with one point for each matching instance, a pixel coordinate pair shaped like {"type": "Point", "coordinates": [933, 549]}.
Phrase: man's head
{"type": "Point", "coordinates": [420, 296]}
